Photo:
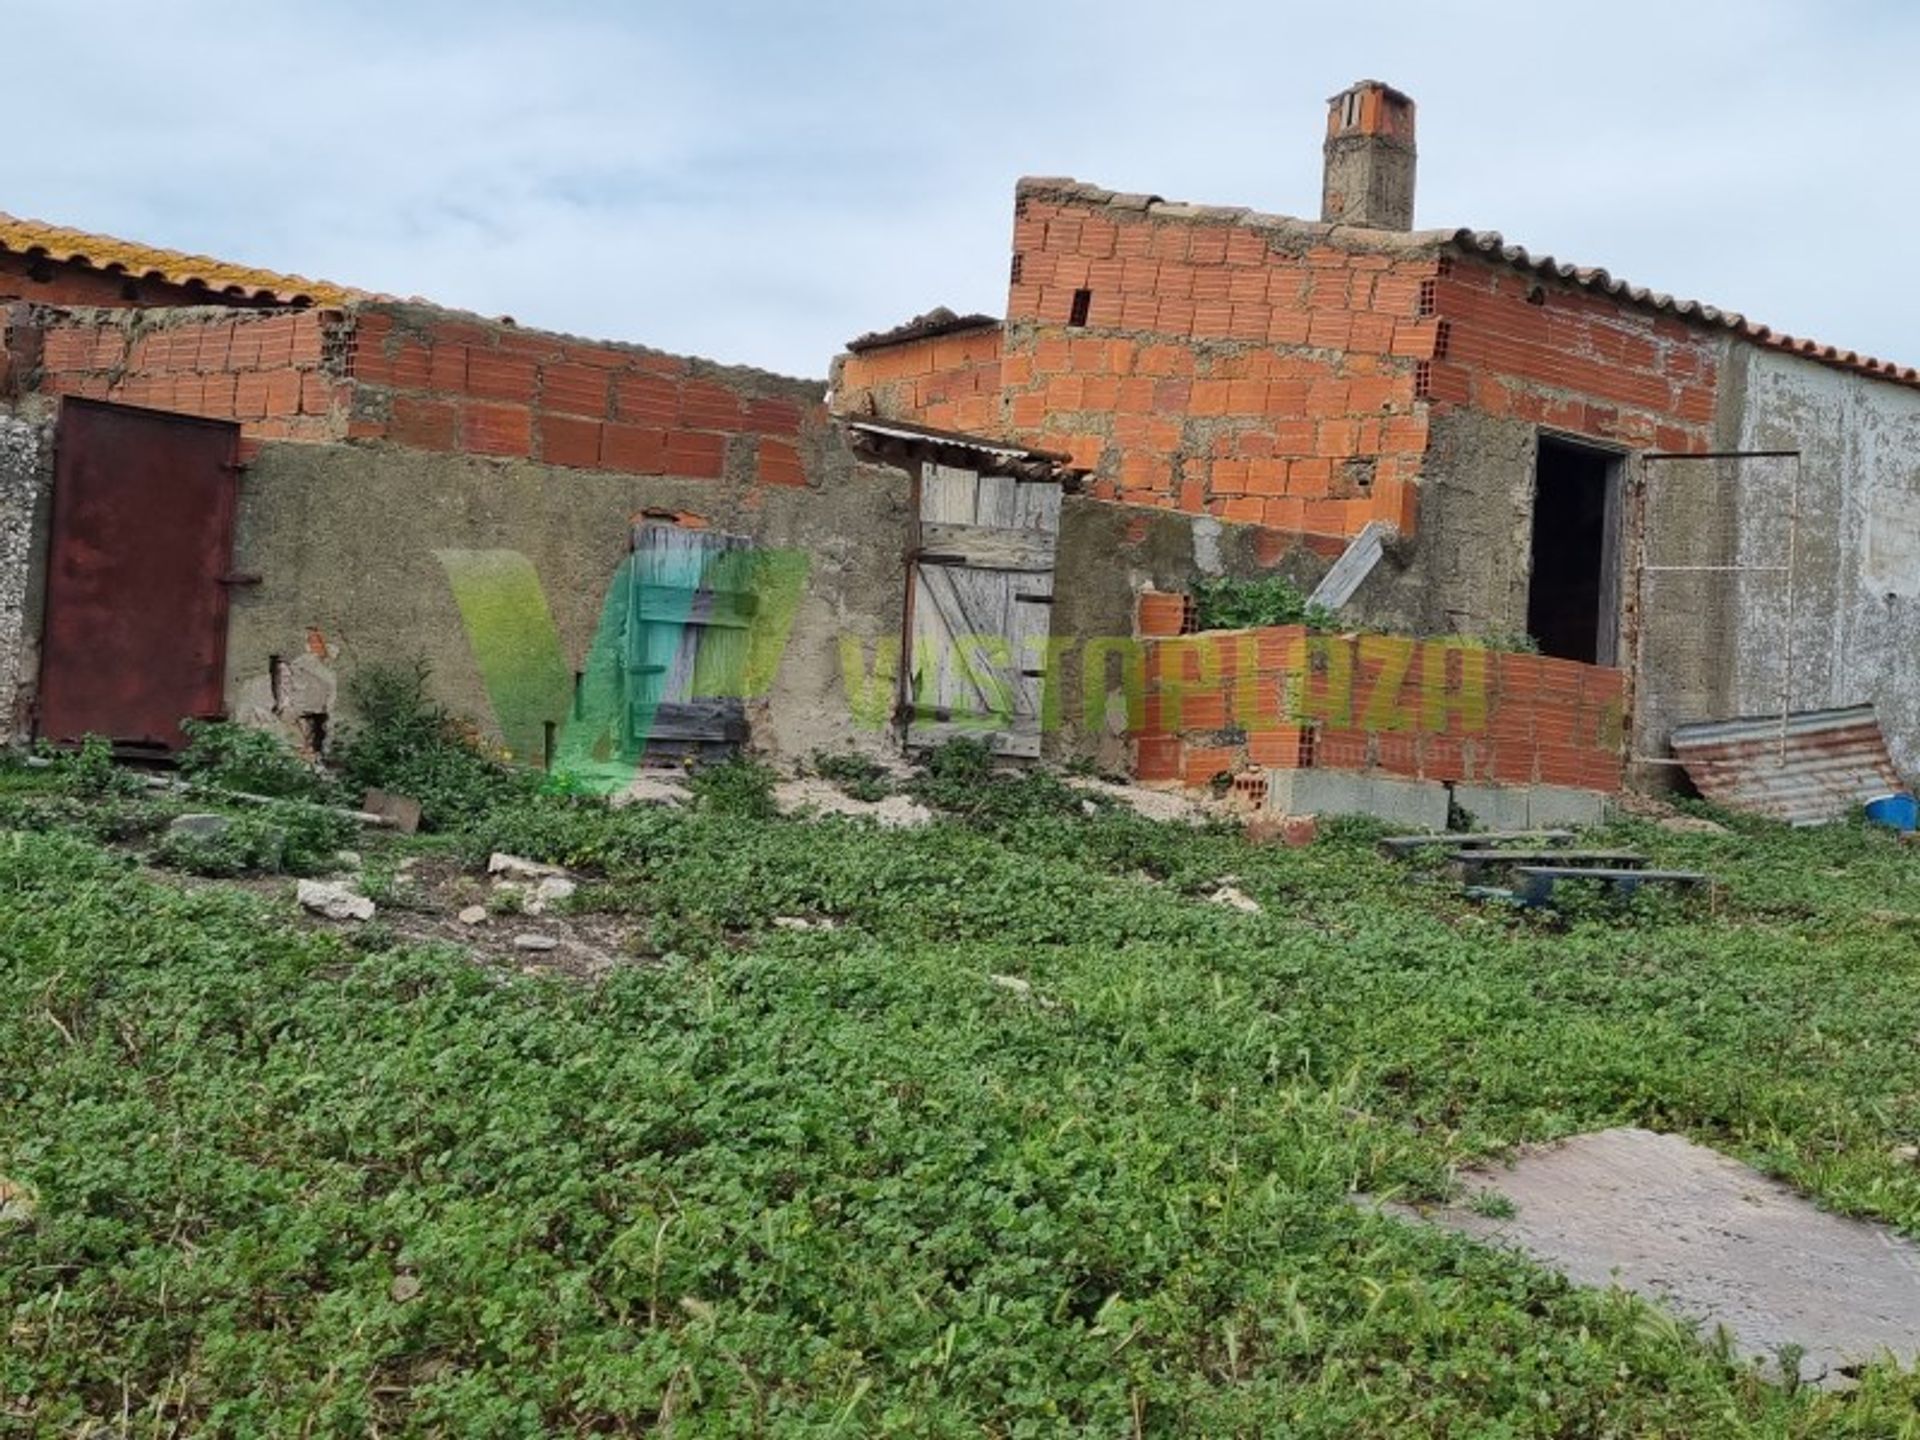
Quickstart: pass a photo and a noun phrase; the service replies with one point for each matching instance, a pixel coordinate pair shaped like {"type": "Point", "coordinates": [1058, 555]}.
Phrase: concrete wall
{"type": "Point", "coordinates": [26, 458]}
{"type": "Point", "coordinates": [1855, 629]}
{"type": "Point", "coordinates": [345, 539]}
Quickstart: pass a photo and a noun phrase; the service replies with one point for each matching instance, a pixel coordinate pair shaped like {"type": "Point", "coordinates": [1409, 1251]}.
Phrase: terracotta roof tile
{"type": "Point", "coordinates": [103, 252]}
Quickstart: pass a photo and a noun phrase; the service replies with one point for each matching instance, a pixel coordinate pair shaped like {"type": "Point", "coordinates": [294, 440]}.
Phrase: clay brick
{"type": "Point", "coordinates": [574, 389]}
{"type": "Point", "coordinates": [571, 441]}
{"type": "Point", "coordinates": [421, 423]}
{"type": "Point", "coordinates": [697, 455]}
{"type": "Point", "coordinates": [646, 400]}
{"type": "Point", "coordinates": [489, 429]}
{"type": "Point", "coordinates": [1157, 758]}
{"type": "Point", "coordinates": [283, 392]}
{"type": "Point", "coordinates": [705, 405]}
{"type": "Point", "coordinates": [1199, 765]}
{"type": "Point", "coordinates": [495, 375]}
{"type": "Point", "coordinates": [633, 449]}
{"type": "Point", "coordinates": [1162, 613]}
{"type": "Point", "coordinates": [779, 463]}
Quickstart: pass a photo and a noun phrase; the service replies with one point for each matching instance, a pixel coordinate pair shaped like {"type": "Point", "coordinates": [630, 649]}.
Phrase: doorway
{"type": "Point", "coordinates": [1573, 598]}
{"type": "Point", "coordinates": [135, 638]}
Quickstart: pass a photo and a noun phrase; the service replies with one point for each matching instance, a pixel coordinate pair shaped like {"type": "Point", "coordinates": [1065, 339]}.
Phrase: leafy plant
{"type": "Point", "coordinates": [405, 743]}
{"type": "Point", "coordinates": [291, 837]}
{"type": "Point", "coordinates": [860, 776]}
{"type": "Point", "coordinates": [255, 762]}
{"type": "Point", "coordinates": [1226, 603]}
{"type": "Point", "coordinates": [738, 786]}
{"type": "Point", "coordinates": [89, 769]}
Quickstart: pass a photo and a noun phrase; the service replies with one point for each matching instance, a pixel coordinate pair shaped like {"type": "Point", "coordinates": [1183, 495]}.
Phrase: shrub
{"type": "Point", "coordinates": [738, 786]}
{"type": "Point", "coordinates": [90, 770]}
{"type": "Point", "coordinates": [290, 838]}
{"type": "Point", "coordinates": [407, 744]}
{"type": "Point", "coordinates": [236, 757]}
{"type": "Point", "coordinates": [1229, 604]}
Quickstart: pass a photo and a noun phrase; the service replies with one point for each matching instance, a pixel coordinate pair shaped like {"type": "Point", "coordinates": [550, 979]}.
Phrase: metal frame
{"type": "Point", "coordinates": [1641, 569]}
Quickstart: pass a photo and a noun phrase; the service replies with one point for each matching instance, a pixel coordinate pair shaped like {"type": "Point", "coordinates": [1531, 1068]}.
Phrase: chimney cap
{"type": "Point", "coordinates": [1399, 96]}
{"type": "Point", "coordinates": [1371, 108]}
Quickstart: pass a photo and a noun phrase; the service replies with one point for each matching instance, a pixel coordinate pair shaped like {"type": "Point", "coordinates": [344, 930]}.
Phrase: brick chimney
{"type": "Point", "coordinates": [1369, 174]}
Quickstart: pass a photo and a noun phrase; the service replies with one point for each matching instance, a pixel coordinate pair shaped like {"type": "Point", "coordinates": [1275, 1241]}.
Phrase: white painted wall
{"type": "Point", "coordinates": [1856, 627]}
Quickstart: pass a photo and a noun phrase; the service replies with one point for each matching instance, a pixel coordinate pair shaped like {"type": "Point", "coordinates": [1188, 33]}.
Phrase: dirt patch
{"type": "Point", "coordinates": [823, 797]}
{"type": "Point", "coordinates": [1711, 1239]}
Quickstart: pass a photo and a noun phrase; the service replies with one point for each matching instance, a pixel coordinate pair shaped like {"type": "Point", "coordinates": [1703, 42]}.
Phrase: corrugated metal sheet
{"type": "Point", "coordinates": [1830, 762]}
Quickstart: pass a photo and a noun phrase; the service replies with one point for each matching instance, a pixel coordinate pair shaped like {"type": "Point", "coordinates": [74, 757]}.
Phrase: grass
{"type": "Point", "coordinates": [843, 1182]}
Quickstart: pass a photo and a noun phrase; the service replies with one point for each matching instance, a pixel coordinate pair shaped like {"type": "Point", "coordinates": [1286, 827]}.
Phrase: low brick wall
{"type": "Point", "coordinates": [1240, 702]}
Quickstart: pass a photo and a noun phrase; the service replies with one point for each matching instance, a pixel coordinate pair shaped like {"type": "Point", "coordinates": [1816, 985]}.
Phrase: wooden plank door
{"type": "Point", "coordinates": [982, 609]}
{"type": "Point", "coordinates": [135, 638]}
{"type": "Point", "coordinates": [688, 614]}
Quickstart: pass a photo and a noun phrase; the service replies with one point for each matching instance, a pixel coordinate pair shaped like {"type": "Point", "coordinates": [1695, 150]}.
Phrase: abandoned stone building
{"type": "Point", "coordinates": [224, 491]}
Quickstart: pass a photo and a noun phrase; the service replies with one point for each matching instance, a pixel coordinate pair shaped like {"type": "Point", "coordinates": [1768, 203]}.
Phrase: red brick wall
{"type": "Point", "coordinates": [1241, 701]}
{"type": "Point", "coordinates": [1250, 371]}
{"type": "Point", "coordinates": [436, 381]}
{"type": "Point", "coordinates": [268, 369]}
{"type": "Point", "coordinates": [1514, 345]}
{"type": "Point", "coordinates": [952, 381]}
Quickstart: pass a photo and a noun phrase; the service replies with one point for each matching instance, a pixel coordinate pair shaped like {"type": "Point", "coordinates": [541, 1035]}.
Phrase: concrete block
{"type": "Point", "coordinates": [1557, 807]}
{"type": "Point", "coordinates": [1414, 804]}
{"type": "Point", "coordinates": [1532, 807]}
{"type": "Point", "coordinates": [1494, 807]}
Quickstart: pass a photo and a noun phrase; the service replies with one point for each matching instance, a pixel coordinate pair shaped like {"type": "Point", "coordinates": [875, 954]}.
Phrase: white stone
{"type": "Point", "coordinates": [1236, 899]}
{"type": "Point", "coordinates": [501, 863]}
{"type": "Point", "coordinates": [336, 902]}
{"type": "Point", "coordinates": [533, 941]}
{"type": "Point", "coordinates": [474, 915]}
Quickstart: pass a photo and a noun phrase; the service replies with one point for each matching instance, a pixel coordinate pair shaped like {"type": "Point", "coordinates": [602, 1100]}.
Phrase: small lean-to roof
{"type": "Point", "coordinates": [1286, 231]}
{"type": "Point", "coordinates": [937, 321]}
{"type": "Point", "coordinates": [66, 246]}
{"type": "Point", "coordinates": [895, 439]}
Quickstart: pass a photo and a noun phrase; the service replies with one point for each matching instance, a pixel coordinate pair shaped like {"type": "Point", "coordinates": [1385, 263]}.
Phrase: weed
{"type": "Point", "coordinates": [1226, 603]}
{"type": "Point", "coordinates": [407, 744]}
{"type": "Point", "coordinates": [254, 762]}
{"type": "Point", "coordinates": [290, 837]}
{"type": "Point", "coordinates": [1492, 1205]}
{"type": "Point", "coordinates": [859, 776]}
{"type": "Point", "coordinates": [739, 786]}
{"type": "Point", "coordinates": [89, 770]}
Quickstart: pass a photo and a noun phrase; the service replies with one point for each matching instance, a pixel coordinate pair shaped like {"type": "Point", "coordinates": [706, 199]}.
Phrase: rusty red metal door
{"type": "Point", "coordinates": [142, 539]}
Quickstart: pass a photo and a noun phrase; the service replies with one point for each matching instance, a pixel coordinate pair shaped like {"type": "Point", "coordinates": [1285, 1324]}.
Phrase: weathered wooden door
{"type": "Point", "coordinates": [688, 614]}
{"type": "Point", "coordinates": [135, 638]}
{"type": "Point", "coordinates": [981, 609]}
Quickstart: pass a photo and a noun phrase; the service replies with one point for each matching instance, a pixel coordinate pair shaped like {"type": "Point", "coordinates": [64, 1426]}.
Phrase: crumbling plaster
{"type": "Point", "coordinates": [1855, 626]}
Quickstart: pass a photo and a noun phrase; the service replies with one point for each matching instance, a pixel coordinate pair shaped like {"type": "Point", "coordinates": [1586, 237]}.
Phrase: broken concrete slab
{"type": "Point", "coordinates": [402, 812]}
{"type": "Point", "coordinates": [822, 797]}
{"type": "Point", "coordinates": [198, 827]}
{"type": "Point", "coordinates": [1711, 1239]}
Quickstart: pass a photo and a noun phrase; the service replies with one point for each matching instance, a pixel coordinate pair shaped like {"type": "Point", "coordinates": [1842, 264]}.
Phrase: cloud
{"type": "Point", "coordinates": [759, 181]}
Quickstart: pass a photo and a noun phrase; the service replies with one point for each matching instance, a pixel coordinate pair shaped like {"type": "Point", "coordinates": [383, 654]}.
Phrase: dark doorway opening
{"type": "Point", "coordinates": [1573, 600]}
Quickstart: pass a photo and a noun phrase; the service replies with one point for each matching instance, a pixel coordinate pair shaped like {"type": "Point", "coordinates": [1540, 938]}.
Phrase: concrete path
{"type": "Point", "coordinates": [1710, 1239]}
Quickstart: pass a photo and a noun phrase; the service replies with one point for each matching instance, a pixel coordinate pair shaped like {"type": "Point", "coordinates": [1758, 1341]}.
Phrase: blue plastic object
{"type": "Point", "coordinates": [1896, 812]}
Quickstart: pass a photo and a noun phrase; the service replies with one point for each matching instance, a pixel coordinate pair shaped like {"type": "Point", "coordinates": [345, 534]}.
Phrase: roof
{"type": "Point", "coordinates": [174, 267]}
{"type": "Point", "coordinates": [1482, 244]}
{"type": "Point", "coordinates": [890, 439]}
{"type": "Point", "coordinates": [937, 321]}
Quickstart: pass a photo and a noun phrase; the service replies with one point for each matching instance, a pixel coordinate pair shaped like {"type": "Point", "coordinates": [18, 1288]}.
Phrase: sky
{"type": "Point", "coordinates": [757, 182]}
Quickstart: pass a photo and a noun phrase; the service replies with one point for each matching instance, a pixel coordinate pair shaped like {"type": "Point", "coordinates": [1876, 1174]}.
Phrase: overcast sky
{"type": "Point", "coordinates": [758, 182]}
